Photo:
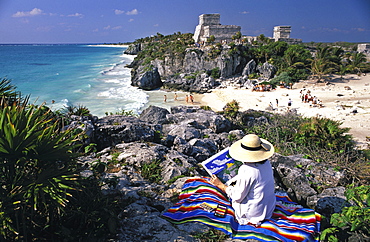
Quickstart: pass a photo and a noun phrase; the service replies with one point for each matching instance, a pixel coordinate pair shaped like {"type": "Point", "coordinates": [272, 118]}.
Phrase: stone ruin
{"type": "Point", "coordinates": [282, 33]}
{"type": "Point", "coordinates": [364, 48]}
{"type": "Point", "coordinates": [209, 24]}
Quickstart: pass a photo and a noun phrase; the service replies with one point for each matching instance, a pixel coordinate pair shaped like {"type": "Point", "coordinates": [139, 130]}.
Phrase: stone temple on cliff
{"type": "Point", "coordinates": [282, 33]}
{"type": "Point", "coordinates": [209, 24]}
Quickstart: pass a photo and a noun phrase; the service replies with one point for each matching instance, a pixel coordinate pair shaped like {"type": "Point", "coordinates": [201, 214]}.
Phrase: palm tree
{"type": "Point", "coordinates": [321, 65]}
{"type": "Point", "coordinates": [356, 62]}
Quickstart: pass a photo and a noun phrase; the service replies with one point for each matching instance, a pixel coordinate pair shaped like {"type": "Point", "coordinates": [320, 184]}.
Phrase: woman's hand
{"type": "Point", "coordinates": [215, 181]}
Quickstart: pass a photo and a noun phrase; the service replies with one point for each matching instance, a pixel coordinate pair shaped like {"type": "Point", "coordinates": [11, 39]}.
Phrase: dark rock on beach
{"type": "Point", "coordinates": [148, 80]}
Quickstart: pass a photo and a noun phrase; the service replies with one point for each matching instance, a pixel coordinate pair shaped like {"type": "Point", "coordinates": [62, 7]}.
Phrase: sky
{"type": "Point", "coordinates": [113, 21]}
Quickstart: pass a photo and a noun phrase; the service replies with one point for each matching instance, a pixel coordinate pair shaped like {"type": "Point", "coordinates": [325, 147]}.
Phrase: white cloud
{"type": "Point", "coordinates": [33, 12]}
{"type": "Point", "coordinates": [79, 15]}
{"type": "Point", "coordinates": [131, 20]}
{"type": "Point", "coordinates": [107, 27]}
{"type": "Point", "coordinates": [132, 12]}
{"type": "Point", "coordinates": [156, 25]}
{"type": "Point", "coordinates": [359, 29]}
{"type": "Point", "coordinates": [118, 12]}
{"type": "Point", "coordinates": [244, 12]}
{"type": "Point", "coordinates": [117, 27]}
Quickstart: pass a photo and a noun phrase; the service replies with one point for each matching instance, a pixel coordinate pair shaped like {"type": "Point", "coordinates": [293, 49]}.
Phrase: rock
{"type": "Point", "coordinates": [329, 201]}
{"type": "Point", "coordinates": [249, 68]}
{"type": "Point", "coordinates": [148, 80]}
{"type": "Point", "coordinates": [133, 49]}
{"type": "Point", "coordinates": [155, 115]}
{"type": "Point", "coordinates": [114, 129]}
{"type": "Point", "coordinates": [267, 70]}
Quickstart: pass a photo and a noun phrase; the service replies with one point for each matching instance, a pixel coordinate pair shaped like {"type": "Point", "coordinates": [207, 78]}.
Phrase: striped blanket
{"type": "Point", "coordinates": [202, 202]}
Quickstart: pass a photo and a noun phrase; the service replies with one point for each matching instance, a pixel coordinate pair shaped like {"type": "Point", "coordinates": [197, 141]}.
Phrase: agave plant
{"type": "Point", "coordinates": [8, 92]}
{"type": "Point", "coordinates": [37, 170]}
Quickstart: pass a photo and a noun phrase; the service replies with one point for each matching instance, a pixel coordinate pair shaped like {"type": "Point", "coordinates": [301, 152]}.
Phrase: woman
{"type": "Point", "coordinates": [252, 190]}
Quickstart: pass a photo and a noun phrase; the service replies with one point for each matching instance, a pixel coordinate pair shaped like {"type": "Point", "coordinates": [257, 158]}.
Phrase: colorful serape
{"type": "Point", "coordinates": [202, 202]}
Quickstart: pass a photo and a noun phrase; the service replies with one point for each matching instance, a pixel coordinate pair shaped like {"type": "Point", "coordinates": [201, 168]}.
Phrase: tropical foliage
{"type": "Point", "coordinates": [38, 170]}
{"type": "Point", "coordinates": [42, 195]}
{"type": "Point", "coordinates": [355, 215]}
{"type": "Point", "coordinates": [320, 139]}
{"type": "Point", "coordinates": [8, 92]}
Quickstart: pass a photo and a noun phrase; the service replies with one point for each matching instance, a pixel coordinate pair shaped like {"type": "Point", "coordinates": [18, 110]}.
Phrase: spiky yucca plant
{"type": "Point", "coordinates": [37, 171]}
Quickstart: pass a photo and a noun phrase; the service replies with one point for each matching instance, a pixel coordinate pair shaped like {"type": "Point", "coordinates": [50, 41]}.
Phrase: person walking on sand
{"type": "Point", "coordinates": [186, 99]}
{"type": "Point", "coordinates": [175, 97]}
{"type": "Point", "coordinates": [165, 98]}
{"type": "Point", "coordinates": [277, 103]}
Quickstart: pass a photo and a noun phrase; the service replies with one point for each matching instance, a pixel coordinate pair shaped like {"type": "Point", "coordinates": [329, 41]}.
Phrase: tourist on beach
{"type": "Point", "coordinates": [186, 99]}
{"type": "Point", "coordinates": [165, 98]}
{"type": "Point", "coordinates": [252, 194]}
{"type": "Point", "coordinates": [277, 102]}
{"type": "Point", "coordinates": [175, 97]}
{"type": "Point", "coordinates": [191, 98]}
{"type": "Point", "coordinates": [289, 103]}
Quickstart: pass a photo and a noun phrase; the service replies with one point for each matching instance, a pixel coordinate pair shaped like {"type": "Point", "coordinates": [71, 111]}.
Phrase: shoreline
{"type": "Point", "coordinates": [346, 100]}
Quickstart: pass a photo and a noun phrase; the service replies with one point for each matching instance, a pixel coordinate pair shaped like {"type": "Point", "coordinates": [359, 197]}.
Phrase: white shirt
{"type": "Point", "coordinates": [253, 195]}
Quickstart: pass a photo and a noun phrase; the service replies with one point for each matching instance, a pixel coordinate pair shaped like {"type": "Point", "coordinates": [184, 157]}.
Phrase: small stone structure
{"type": "Point", "coordinates": [282, 33]}
{"type": "Point", "coordinates": [209, 24]}
{"type": "Point", "coordinates": [364, 48]}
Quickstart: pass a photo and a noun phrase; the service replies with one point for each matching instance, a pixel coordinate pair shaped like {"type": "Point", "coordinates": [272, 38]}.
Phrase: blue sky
{"type": "Point", "coordinates": [112, 21]}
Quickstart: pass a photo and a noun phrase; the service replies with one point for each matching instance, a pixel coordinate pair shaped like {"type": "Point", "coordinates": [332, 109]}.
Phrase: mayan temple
{"type": "Point", "coordinates": [282, 33]}
{"type": "Point", "coordinates": [209, 24]}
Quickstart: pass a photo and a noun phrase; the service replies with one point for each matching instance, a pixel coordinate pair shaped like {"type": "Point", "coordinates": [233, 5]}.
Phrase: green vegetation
{"type": "Point", "coordinates": [43, 196]}
{"type": "Point", "coordinates": [211, 235]}
{"type": "Point", "coordinates": [152, 171]}
{"type": "Point", "coordinates": [37, 172]}
{"type": "Point", "coordinates": [160, 46]}
{"type": "Point", "coordinates": [297, 61]}
{"type": "Point", "coordinates": [231, 109]}
{"type": "Point", "coordinates": [355, 218]}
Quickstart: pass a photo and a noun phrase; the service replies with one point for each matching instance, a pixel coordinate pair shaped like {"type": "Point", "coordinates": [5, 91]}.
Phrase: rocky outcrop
{"type": "Point", "coordinates": [177, 141]}
{"type": "Point", "coordinates": [249, 68]}
{"type": "Point", "coordinates": [147, 80]}
{"type": "Point", "coordinates": [115, 129]}
{"type": "Point", "coordinates": [267, 70]}
{"type": "Point", "coordinates": [192, 70]}
{"type": "Point", "coordinates": [133, 49]}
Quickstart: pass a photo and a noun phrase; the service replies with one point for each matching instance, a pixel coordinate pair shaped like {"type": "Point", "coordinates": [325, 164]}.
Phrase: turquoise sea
{"type": "Point", "coordinates": [94, 76]}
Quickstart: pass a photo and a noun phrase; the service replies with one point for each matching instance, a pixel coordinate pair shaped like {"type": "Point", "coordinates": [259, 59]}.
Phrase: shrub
{"type": "Point", "coordinates": [355, 218]}
{"type": "Point", "coordinates": [231, 109]}
{"type": "Point", "coordinates": [38, 172]}
{"type": "Point", "coordinates": [152, 171]}
{"type": "Point", "coordinates": [215, 73]}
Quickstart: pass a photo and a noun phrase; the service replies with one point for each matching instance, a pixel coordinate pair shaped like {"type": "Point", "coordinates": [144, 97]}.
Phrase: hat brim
{"type": "Point", "coordinates": [237, 152]}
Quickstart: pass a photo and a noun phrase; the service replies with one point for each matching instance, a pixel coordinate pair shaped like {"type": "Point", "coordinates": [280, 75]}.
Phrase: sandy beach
{"type": "Point", "coordinates": [346, 100]}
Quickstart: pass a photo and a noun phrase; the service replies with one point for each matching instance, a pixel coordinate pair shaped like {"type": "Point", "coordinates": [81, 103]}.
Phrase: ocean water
{"type": "Point", "coordinates": [94, 76]}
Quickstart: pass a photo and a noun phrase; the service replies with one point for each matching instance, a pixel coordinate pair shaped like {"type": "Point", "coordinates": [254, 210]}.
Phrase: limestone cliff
{"type": "Point", "coordinates": [192, 69]}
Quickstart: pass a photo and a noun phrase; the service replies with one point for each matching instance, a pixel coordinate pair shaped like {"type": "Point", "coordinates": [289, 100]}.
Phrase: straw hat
{"type": "Point", "coordinates": [251, 148]}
